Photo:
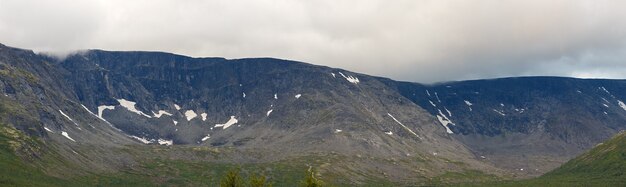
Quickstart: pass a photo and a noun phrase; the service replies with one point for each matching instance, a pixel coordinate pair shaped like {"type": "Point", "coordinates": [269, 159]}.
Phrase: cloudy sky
{"type": "Point", "coordinates": [415, 40]}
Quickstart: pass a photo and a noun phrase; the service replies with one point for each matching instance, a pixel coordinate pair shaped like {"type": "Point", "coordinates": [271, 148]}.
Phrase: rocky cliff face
{"type": "Point", "coordinates": [222, 102]}
{"type": "Point", "coordinates": [524, 125]}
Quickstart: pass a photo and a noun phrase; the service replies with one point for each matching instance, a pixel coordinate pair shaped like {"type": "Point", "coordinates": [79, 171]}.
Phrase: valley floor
{"type": "Point", "coordinates": [28, 162]}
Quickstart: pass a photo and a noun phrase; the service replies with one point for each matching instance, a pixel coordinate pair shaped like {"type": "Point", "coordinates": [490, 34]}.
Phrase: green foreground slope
{"type": "Point", "coordinates": [604, 165]}
{"type": "Point", "coordinates": [23, 161]}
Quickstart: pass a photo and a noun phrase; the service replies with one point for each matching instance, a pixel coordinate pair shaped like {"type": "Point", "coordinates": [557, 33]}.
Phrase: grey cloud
{"type": "Point", "coordinates": [424, 41]}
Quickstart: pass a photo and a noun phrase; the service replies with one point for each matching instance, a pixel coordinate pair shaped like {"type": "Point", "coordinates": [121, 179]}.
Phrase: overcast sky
{"type": "Point", "coordinates": [415, 40]}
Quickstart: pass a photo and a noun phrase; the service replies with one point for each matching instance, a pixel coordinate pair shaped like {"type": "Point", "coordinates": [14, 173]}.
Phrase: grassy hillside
{"type": "Point", "coordinates": [26, 161]}
{"type": "Point", "coordinates": [13, 170]}
{"type": "Point", "coordinates": [22, 162]}
{"type": "Point", "coordinates": [604, 165]}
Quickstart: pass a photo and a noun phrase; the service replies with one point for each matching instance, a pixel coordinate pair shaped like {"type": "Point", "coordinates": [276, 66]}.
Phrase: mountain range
{"type": "Point", "coordinates": [129, 118]}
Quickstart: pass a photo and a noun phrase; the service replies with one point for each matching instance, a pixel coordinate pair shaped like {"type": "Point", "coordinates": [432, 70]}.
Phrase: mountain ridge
{"type": "Point", "coordinates": [294, 108]}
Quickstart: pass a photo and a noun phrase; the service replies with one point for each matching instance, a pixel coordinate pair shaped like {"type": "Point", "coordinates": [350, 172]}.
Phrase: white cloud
{"type": "Point", "coordinates": [421, 41]}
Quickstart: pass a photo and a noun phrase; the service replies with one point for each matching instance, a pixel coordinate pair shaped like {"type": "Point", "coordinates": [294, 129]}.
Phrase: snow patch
{"type": "Point", "coordinates": [621, 104]}
{"type": "Point", "coordinates": [388, 132]}
{"type": "Point", "coordinates": [449, 113]}
{"type": "Point", "coordinates": [298, 96]}
{"type": "Point", "coordinates": [151, 141]}
{"type": "Point", "coordinates": [206, 137]}
{"type": "Point", "coordinates": [130, 106]}
{"type": "Point", "coordinates": [88, 110]}
{"type": "Point", "coordinates": [607, 101]}
{"type": "Point", "coordinates": [350, 79]}
{"type": "Point", "coordinates": [499, 112]}
{"type": "Point", "coordinates": [269, 112]}
{"type": "Point", "coordinates": [244, 94]}
{"type": "Point", "coordinates": [605, 105]}
{"type": "Point", "coordinates": [437, 95]}
{"type": "Point", "coordinates": [604, 89]}
{"type": "Point", "coordinates": [142, 139]}
{"type": "Point", "coordinates": [411, 131]}
{"type": "Point", "coordinates": [67, 136]}
{"type": "Point", "coordinates": [443, 119]}
{"type": "Point", "coordinates": [431, 103]}
{"type": "Point", "coordinates": [190, 114]}
{"type": "Point", "coordinates": [102, 108]}
{"type": "Point", "coordinates": [175, 122]}
{"type": "Point", "coordinates": [338, 130]}
{"type": "Point", "coordinates": [68, 117]}
{"type": "Point", "coordinates": [161, 113]}
{"type": "Point", "coordinates": [427, 93]}
{"type": "Point", "coordinates": [89, 113]}
{"type": "Point", "coordinates": [275, 96]}
{"type": "Point", "coordinates": [469, 104]}
{"type": "Point", "coordinates": [203, 115]}
{"type": "Point", "coordinates": [165, 142]}
{"type": "Point", "coordinates": [47, 129]}
{"type": "Point", "coordinates": [177, 107]}
{"type": "Point", "coordinates": [233, 120]}
{"type": "Point", "coordinates": [333, 74]}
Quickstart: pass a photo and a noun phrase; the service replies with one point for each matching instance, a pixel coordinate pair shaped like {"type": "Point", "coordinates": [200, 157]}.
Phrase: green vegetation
{"type": "Point", "coordinates": [604, 165]}
{"type": "Point", "coordinates": [15, 73]}
{"type": "Point", "coordinates": [23, 161]}
{"type": "Point", "coordinates": [13, 170]}
{"type": "Point", "coordinates": [311, 180]}
{"type": "Point", "coordinates": [467, 176]}
{"type": "Point", "coordinates": [259, 181]}
{"type": "Point", "coordinates": [233, 178]}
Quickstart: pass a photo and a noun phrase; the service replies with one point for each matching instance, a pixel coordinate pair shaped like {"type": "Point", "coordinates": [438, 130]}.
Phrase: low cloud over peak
{"type": "Point", "coordinates": [423, 41]}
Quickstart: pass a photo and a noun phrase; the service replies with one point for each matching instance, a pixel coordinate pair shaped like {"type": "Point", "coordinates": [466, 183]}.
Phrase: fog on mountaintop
{"type": "Point", "coordinates": [423, 41]}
